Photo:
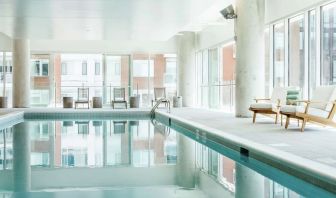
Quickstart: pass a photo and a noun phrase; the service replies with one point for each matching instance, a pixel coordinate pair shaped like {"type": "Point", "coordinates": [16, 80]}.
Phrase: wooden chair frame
{"type": "Point", "coordinates": [266, 111]}
{"type": "Point", "coordinates": [305, 117]}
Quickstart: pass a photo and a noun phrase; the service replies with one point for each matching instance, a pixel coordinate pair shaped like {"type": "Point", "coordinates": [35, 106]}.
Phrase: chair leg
{"type": "Point", "coordinates": [304, 121]}
{"type": "Point", "coordinates": [281, 119]}
{"type": "Point", "coordinates": [287, 122]}
{"type": "Point", "coordinates": [254, 117]}
{"type": "Point", "coordinates": [276, 118]}
{"type": "Point", "coordinates": [126, 105]}
{"type": "Point", "coordinates": [113, 105]}
{"type": "Point", "coordinates": [298, 122]}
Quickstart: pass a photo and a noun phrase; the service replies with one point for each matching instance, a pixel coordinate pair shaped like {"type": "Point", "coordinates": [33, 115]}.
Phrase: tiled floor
{"type": "Point", "coordinates": [317, 143]}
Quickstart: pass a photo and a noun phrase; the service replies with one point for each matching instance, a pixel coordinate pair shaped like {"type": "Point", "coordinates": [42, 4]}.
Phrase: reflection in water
{"type": "Point", "coordinates": [137, 154]}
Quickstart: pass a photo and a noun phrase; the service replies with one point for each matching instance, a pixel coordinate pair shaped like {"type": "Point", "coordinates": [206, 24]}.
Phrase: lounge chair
{"type": "Point", "coordinates": [160, 93]}
{"type": "Point", "coordinates": [83, 97]}
{"type": "Point", "coordinates": [270, 105]}
{"type": "Point", "coordinates": [119, 96]}
{"type": "Point", "coordinates": [320, 109]}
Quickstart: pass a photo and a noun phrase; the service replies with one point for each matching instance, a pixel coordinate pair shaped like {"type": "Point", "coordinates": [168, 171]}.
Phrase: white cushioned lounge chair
{"type": "Point", "coordinates": [270, 105]}
{"type": "Point", "coordinates": [320, 109]}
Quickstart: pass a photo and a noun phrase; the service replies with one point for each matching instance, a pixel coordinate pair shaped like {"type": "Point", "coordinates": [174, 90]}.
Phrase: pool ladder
{"type": "Point", "coordinates": [152, 112]}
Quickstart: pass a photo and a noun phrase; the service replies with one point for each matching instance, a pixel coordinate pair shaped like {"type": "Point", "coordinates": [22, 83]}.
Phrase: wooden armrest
{"type": "Point", "coordinates": [260, 99]}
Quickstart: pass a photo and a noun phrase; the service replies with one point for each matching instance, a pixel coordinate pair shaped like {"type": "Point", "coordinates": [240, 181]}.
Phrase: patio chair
{"type": "Point", "coordinates": [160, 93]}
{"type": "Point", "coordinates": [83, 97]}
{"type": "Point", "coordinates": [320, 109]}
{"type": "Point", "coordinates": [270, 105]}
{"type": "Point", "coordinates": [119, 96]}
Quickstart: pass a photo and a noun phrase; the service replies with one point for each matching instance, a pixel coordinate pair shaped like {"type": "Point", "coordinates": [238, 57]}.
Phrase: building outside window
{"type": "Point", "coordinates": [40, 67]}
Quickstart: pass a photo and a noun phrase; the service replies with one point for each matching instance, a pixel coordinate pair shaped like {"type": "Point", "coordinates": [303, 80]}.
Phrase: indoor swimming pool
{"type": "Point", "coordinates": [132, 158]}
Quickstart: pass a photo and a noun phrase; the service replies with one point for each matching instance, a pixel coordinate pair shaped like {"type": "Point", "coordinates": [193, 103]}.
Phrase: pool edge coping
{"type": "Point", "coordinates": [308, 168]}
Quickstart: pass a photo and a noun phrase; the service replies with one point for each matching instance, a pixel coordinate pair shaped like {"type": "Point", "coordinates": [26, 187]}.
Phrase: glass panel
{"type": "Point", "coordinates": [267, 62]}
{"type": "Point", "coordinates": [228, 77]}
{"type": "Point", "coordinates": [80, 72]}
{"type": "Point", "coordinates": [296, 52]}
{"type": "Point", "coordinates": [143, 74]}
{"type": "Point", "coordinates": [6, 71]}
{"type": "Point", "coordinates": [312, 51]}
{"type": "Point", "coordinates": [117, 75]}
{"type": "Point", "coordinates": [42, 85]}
{"type": "Point", "coordinates": [279, 55]}
{"type": "Point", "coordinates": [205, 79]}
{"type": "Point", "coordinates": [328, 45]}
{"type": "Point", "coordinates": [214, 78]}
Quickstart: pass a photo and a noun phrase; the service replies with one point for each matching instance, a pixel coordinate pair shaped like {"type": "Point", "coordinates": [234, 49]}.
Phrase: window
{"type": "Point", "coordinates": [141, 69]}
{"type": "Point", "coordinates": [117, 69]}
{"type": "Point", "coordinates": [296, 52]}
{"type": "Point", "coordinates": [97, 69]}
{"type": "Point", "coordinates": [328, 48]}
{"type": "Point", "coordinates": [84, 68]}
{"type": "Point", "coordinates": [279, 55]}
{"type": "Point", "coordinates": [40, 67]}
{"type": "Point", "coordinates": [312, 51]}
{"type": "Point", "coordinates": [64, 69]}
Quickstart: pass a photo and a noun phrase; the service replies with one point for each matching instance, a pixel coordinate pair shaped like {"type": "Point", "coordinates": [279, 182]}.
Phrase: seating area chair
{"type": "Point", "coordinates": [160, 93]}
{"type": "Point", "coordinates": [270, 105]}
{"type": "Point", "coordinates": [320, 109]}
{"type": "Point", "coordinates": [83, 97]}
{"type": "Point", "coordinates": [119, 96]}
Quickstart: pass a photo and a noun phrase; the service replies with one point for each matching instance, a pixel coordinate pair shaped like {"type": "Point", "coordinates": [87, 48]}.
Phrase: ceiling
{"type": "Point", "coordinates": [144, 20]}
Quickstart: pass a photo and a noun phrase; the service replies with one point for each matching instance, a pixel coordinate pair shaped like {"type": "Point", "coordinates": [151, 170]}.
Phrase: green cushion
{"type": "Point", "coordinates": [293, 92]}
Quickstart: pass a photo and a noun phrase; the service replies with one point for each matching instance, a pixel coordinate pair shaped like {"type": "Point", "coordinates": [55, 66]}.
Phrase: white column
{"type": "Point", "coordinates": [185, 166]}
{"type": "Point", "coordinates": [248, 183]}
{"type": "Point", "coordinates": [21, 158]}
{"type": "Point", "coordinates": [21, 73]}
{"type": "Point", "coordinates": [186, 68]}
{"type": "Point", "coordinates": [250, 69]}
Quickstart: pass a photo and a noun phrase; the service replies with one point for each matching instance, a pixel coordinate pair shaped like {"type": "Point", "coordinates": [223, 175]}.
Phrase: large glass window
{"type": "Point", "coordinates": [6, 70]}
{"type": "Point", "coordinates": [267, 61]}
{"type": "Point", "coordinates": [312, 51]}
{"type": "Point", "coordinates": [214, 78]}
{"type": "Point", "coordinates": [228, 64]}
{"type": "Point", "coordinates": [296, 52]}
{"type": "Point", "coordinates": [279, 55]}
{"type": "Point", "coordinates": [328, 45]}
{"type": "Point", "coordinates": [117, 74]}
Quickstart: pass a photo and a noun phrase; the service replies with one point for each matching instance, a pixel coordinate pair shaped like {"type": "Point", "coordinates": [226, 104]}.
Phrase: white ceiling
{"type": "Point", "coordinates": [144, 20]}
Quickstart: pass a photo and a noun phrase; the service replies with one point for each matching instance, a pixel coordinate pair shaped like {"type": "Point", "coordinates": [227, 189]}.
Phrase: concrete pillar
{"type": "Point", "coordinates": [250, 69]}
{"type": "Point", "coordinates": [186, 68]}
{"type": "Point", "coordinates": [21, 158]}
{"type": "Point", "coordinates": [185, 166]}
{"type": "Point", "coordinates": [21, 73]}
{"type": "Point", "coordinates": [248, 183]}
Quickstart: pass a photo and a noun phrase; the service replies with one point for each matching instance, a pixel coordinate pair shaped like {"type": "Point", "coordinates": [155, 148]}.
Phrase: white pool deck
{"type": "Point", "coordinates": [317, 143]}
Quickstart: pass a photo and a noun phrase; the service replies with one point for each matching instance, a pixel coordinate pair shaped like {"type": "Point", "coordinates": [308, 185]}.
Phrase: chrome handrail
{"type": "Point", "coordinates": [152, 112]}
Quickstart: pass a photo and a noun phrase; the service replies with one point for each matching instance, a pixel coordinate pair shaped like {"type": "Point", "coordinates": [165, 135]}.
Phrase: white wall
{"type": "Point", "coordinates": [278, 9]}
{"type": "Point", "coordinates": [5, 42]}
{"type": "Point", "coordinates": [214, 35]}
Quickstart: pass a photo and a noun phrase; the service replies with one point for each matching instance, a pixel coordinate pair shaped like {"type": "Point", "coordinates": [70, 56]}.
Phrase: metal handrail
{"type": "Point", "coordinates": [152, 112]}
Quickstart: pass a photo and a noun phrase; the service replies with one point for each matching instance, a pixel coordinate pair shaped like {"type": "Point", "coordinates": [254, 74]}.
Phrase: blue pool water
{"type": "Point", "coordinates": [131, 158]}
